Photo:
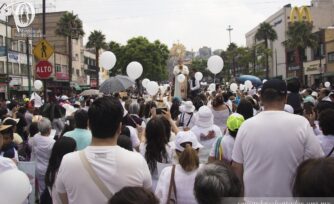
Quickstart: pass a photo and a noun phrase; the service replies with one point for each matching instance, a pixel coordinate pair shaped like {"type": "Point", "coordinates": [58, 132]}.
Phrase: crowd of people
{"type": "Point", "coordinates": [272, 141]}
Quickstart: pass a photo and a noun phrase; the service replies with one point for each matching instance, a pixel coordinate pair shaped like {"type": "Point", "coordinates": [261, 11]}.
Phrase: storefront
{"type": "Point", "coordinates": [313, 72]}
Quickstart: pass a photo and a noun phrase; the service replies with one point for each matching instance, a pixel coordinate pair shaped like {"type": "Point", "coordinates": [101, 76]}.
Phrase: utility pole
{"type": "Point", "coordinates": [44, 35]}
{"type": "Point", "coordinates": [7, 63]}
{"type": "Point", "coordinates": [229, 29]}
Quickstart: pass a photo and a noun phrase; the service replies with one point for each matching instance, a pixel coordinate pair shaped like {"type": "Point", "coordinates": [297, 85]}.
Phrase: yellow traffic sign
{"type": "Point", "coordinates": [43, 50]}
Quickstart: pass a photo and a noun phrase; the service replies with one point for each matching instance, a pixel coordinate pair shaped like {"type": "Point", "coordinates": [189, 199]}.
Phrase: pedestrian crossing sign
{"type": "Point", "coordinates": [43, 50]}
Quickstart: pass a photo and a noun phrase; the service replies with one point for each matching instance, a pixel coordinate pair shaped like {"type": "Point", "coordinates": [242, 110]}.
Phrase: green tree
{"type": "Point", "coordinates": [152, 55]}
{"type": "Point", "coordinates": [266, 33]}
{"type": "Point", "coordinates": [117, 49]}
{"type": "Point", "coordinates": [201, 66]}
{"type": "Point", "coordinates": [97, 40]}
{"type": "Point", "coordinates": [70, 26]}
{"type": "Point", "coordinates": [300, 37]}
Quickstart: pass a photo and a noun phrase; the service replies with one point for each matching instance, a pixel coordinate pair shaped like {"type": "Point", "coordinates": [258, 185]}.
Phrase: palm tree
{"type": "Point", "coordinates": [97, 40]}
{"type": "Point", "coordinates": [70, 26]}
{"type": "Point", "coordinates": [266, 33]}
{"type": "Point", "coordinates": [299, 37]}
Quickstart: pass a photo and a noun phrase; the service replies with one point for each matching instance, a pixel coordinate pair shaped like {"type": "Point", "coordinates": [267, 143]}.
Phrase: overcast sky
{"type": "Point", "coordinates": [195, 23]}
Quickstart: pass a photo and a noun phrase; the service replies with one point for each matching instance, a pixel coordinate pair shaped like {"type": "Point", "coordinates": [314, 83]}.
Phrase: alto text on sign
{"type": "Point", "coordinates": [44, 69]}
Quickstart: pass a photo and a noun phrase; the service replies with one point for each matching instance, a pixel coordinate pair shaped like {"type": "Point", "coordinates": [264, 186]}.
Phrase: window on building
{"type": "Point", "coordinates": [15, 45]}
{"type": "Point", "coordinates": [1, 40]}
{"type": "Point", "coordinates": [10, 68]}
{"type": "Point", "coordinates": [24, 69]}
{"type": "Point", "coordinates": [78, 72]}
{"type": "Point", "coordinates": [331, 57]}
{"type": "Point", "coordinates": [16, 68]}
{"type": "Point", "coordinates": [64, 68]}
{"type": "Point", "coordinates": [21, 46]}
{"type": "Point", "coordinates": [85, 60]}
{"type": "Point", "coordinates": [316, 53]}
{"type": "Point", "coordinates": [2, 67]}
{"type": "Point", "coordinates": [9, 41]}
{"type": "Point", "coordinates": [58, 68]}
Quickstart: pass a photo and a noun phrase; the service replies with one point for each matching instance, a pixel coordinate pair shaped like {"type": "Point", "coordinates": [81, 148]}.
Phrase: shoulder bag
{"type": "Point", "coordinates": [172, 188]}
{"type": "Point", "coordinates": [103, 188]}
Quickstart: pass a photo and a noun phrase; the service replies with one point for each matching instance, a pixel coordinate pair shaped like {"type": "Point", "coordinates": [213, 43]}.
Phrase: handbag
{"type": "Point", "coordinates": [330, 153]}
{"type": "Point", "coordinates": [103, 188]}
{"type": "Point", "coordinates": [172, 198]}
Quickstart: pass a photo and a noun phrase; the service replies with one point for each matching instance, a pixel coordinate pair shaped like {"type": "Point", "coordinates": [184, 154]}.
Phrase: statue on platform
{"type": "Point", "coordinates": [180, 89]}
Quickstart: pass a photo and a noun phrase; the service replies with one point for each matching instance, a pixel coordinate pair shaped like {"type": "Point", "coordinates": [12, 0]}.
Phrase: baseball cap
{"type": "Point", "coordinates": [234, 121]}
{"type": "Point", "coordinates": [4, 127]}
{"type": "Point", "coordinates": [315, 94]}
{"type": "Point", "coordinates": [183, 137]}
{"type": "Point", "coordinates": [275, 84]}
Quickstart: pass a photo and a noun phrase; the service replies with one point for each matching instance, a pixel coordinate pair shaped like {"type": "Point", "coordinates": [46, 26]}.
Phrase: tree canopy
{"type": "Point", "coordinates": [152, 55]}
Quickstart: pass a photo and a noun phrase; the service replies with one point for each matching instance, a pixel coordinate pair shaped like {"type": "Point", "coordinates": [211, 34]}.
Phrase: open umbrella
{"type": "Point", "coordinates": [256, 81]}
{"type": "Point", "coordinates": [90, 92]}
{"type": "Point", "coordinates": [116, 84]}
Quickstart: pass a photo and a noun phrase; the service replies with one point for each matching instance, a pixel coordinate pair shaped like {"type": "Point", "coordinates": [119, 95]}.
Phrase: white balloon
{"type": "Point", "coordinates": [107, 60]}
{"type": "Point", "coordinates": [134, 70]}
{"type": "Point", "coordinates": [198, 76]}
{"type": "Point", "coordinates": [145, 82]}
{"type": "Point", "coordinates": [248, 84]}
{"type": "Point", "coordinates": [14, 186]}
{"type": "Point", "coordinates": [38, 84]}
{"type": "Point", "coordinates": [241, 87]}
{"type": "Point", "coordinates": [152, 88]}
{"type": "Point", "coordinates": [234, 87]}
{"type": "Point", "coordinates": [215, 64]}
{"type": "Point", "coordinates": [181, 78]}
{"type": "Point", "coordinates": [327, 84]}
{"type": "Point", "coordinates": [212, 87]}
{"type": "Point", "coordinates": [264, 81]}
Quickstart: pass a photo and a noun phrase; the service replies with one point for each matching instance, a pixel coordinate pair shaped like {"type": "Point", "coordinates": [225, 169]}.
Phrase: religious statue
{"type": "Point", "coordinates": [180, 89]}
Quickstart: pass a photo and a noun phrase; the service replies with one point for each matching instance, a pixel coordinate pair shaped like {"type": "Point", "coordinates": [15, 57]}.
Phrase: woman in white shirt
{"type": "Point", "coordinates": [155, 148]}
{"type": "Point", "coordinates": [186, 147]}
{"type": "Point", "coordinates": [205, 131]}
{"type": "Point", "coordinates": [220, 112]}
{"type": "Point", "coordinates": [61, 147]}
{"type": "Point", "coordinates": [42, 144]}
{"type": "Point", "coordinates": [326, 123]}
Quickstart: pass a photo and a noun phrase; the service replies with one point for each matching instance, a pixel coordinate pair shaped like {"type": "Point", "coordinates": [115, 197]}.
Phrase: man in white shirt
{"type": "Point", "coordinates": [270, 146]}
{"type": "Point", "coordinates": [41, 145]}
{"type": "Point", "coordinates": [195, 86]}
{"type": "Point", "coordinates": [94, 174]}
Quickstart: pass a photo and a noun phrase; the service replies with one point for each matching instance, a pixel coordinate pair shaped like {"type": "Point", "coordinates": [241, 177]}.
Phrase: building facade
{"type": "Point", "coordinates": [14, 68]}
{"type": "Point", "coordinates": [281, 63]}
{"type": "Point", "coordinates": [59, 82]}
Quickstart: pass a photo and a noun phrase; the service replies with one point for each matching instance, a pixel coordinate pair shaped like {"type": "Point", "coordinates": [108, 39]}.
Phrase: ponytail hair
{"type": "Point", "coordinates": [188, 159]}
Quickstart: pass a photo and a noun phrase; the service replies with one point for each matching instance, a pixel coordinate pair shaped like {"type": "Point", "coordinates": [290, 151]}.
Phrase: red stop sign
{"type": "Point", "coordinates": [43, 69]}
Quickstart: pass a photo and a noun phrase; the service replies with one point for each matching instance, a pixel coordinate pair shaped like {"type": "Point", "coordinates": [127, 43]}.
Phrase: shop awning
{"type": "Point", "coordinates": [75, 86]}
{"type": "Point", "coordinates": [84, 87]}
{"type": "Point", "coordinates": [328, 74]}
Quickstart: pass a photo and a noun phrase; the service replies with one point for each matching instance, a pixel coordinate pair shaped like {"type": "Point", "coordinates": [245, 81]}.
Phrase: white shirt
{"type": "Point", "coordinates": [6, 164]}
{"type": "Point", "coordinates": [227, 144]}
{"type": "Point", "coordinates": [41, 151]}
{"type": "Point", "coordinates": [207, 144]}
{"type": "Point", "coordinates": [133, 136]}
{"type": "Point", "coordinates": [197, 85]}
{"type": "Point", "coordinates": [327, 143]}
{"type": "Point", "coordinates": [187, 119]}
{"type": "Point", "coordinates": [220, 117]}
{"type": "Point", "coordinates": [116, 167]}
{"type": "Point", "coordinates": [170, 156]}
{"type": "Point", "coordinates": [270, 146]}
{"type": "Point", "coordinates": [184, 182]}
